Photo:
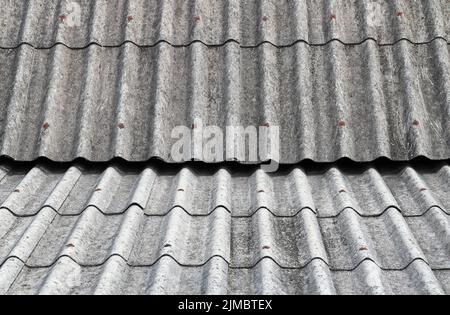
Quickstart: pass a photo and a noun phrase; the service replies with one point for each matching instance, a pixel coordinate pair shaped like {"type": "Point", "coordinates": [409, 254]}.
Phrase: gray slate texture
{"type": "Point", "coordinates": [362, 102]}
{"type": "Point", "coordinates": [249, 22]}
{"type": "Point", "coordinates": [152, 229]}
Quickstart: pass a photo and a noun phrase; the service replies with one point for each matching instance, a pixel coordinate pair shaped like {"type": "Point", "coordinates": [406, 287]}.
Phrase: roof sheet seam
{"type": "Point", "coordinates": [381, 44]}
{"type": "Point", "coordinates": [230, 266]}
{"type": "Point", "coordinates": [251, 215]}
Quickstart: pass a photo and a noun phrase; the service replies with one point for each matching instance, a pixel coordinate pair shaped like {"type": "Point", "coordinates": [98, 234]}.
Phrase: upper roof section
{"type": "Point", "coordinates": [329, 102]}
{"type": "Point", "coordinates": [78, 23]}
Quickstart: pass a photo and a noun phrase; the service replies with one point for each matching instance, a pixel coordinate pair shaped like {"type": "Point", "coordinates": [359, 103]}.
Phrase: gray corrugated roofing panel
{"type": "Point", "coordinates": [90, 239]}
{"type": "Point", "coordinates": [159, 228]}
{"type": "Point", "coordinates": [168, 277]}
{"type": "Point", "coordinates": [361, 102]}
{"type": "Point", "coordinates": [77, 23]}
{"type": "Point", "coordinates": [187, 248]}
{"type": "Point", "coordinates": [113, 190]}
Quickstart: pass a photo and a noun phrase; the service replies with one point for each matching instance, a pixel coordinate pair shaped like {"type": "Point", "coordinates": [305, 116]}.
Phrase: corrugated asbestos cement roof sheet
{"type": "Point", "coordinates": [78, 23]}
{"type": "Point", "coordinates": [151, 229]}
{"type": "Point", "coordinates": [363, 102]}
{"type": "Point", "coordinates": [105, 79]}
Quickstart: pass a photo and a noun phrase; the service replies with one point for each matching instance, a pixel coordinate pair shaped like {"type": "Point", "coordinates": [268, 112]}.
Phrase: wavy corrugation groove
{"type": "Point", "coordinates": [79, 23]}
{"type": "Point", "coordinates": [362, 102]}
{"type": "Point", "coordinates": [111, 190]}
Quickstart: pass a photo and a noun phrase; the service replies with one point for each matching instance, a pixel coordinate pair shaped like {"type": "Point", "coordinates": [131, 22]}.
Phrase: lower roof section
{"type": "Point", "coordinates": [216, 277]}
{"type": "Point", "coordinates": [147, 229]}
{"type": "Point", "coordinates": [77, 23]}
